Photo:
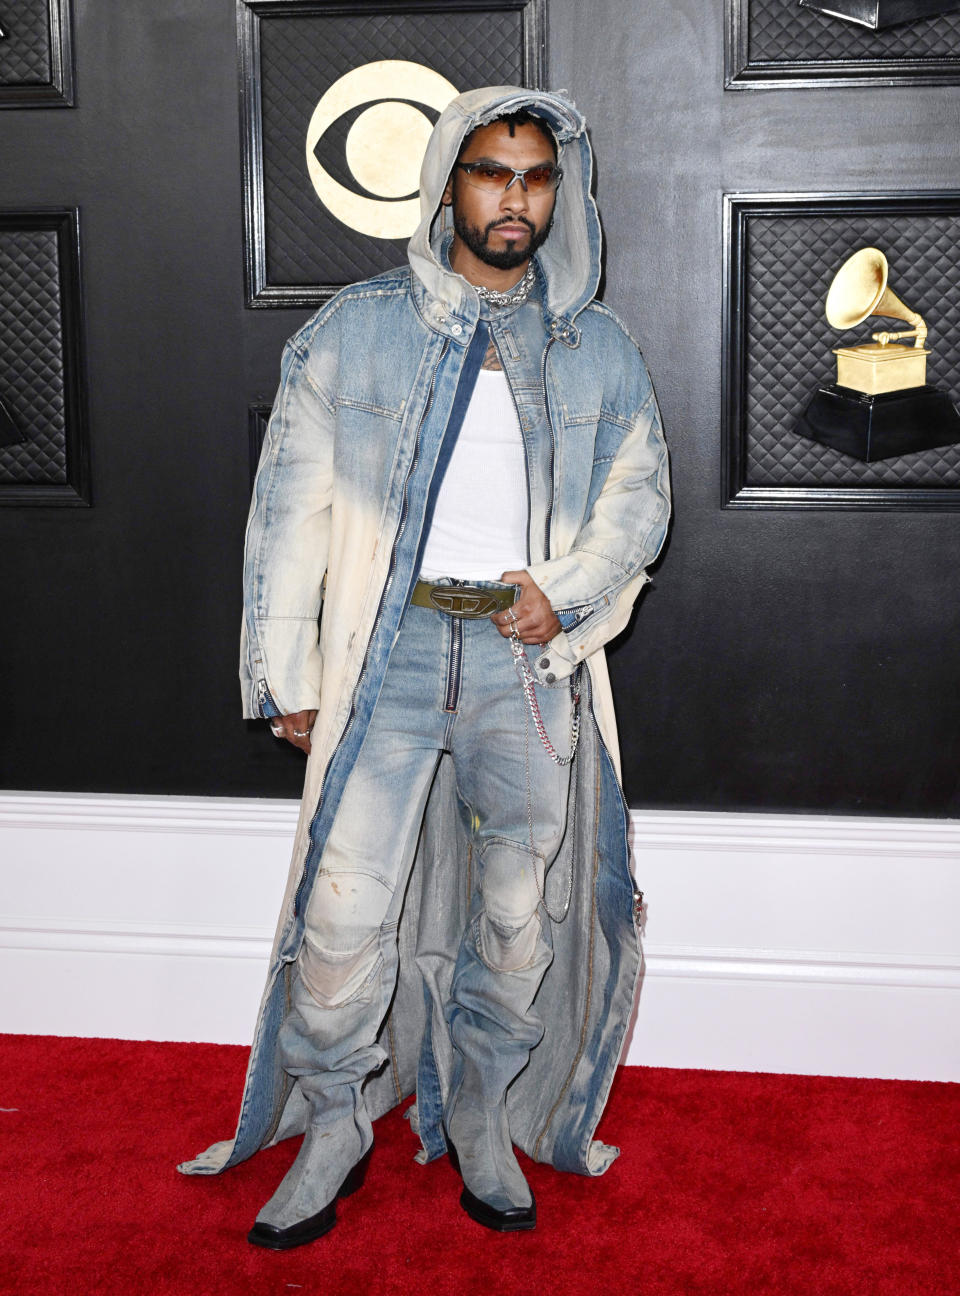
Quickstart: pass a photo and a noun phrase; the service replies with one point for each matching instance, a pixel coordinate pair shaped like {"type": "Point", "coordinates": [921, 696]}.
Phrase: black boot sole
{"type": "Point", "coordinates": [503, 1221]}
{"type": "Point", "coordinates": [514, 1220]}
{"type": "Point", "coordinates": [308, 1230]}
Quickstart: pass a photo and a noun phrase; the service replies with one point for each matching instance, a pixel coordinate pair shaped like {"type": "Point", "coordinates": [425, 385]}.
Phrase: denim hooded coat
{"type": "Point", "coordinates": [372, 392]}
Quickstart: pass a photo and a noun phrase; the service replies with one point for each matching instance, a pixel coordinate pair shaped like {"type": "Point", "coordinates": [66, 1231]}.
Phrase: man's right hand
{"type": "Point", "coordinates": [296, 728]}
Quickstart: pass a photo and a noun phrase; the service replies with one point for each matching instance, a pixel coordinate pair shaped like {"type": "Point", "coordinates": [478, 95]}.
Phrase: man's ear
{"type": "Point", "coordinates": [446, 197]}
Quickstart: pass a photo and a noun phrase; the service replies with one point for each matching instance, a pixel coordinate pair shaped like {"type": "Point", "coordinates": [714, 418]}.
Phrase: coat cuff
{"type": "Point", "coordinates": [282, 675]}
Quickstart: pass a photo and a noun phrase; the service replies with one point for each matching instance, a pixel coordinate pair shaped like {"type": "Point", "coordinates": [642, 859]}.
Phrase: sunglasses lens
{"type": "Point", "coordinates": [541, 178]}
{"type": "Point", "coordinates": [489, 177]}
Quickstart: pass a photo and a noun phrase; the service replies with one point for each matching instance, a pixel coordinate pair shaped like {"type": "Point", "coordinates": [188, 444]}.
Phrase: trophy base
{"type": "Point", "coordinates": [869, 428]}
{"type": "Point", "coordinates": [876, 14]}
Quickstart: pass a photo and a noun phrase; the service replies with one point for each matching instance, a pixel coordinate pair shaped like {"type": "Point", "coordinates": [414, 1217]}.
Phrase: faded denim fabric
{"type": "Point", "coordinates": [451, 686]}
{"type": "Point", "coordinates": [368, 401]}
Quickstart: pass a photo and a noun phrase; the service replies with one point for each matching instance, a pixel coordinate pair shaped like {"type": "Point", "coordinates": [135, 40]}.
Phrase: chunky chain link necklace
{"type": "Point", "coordinates": [514, 296]}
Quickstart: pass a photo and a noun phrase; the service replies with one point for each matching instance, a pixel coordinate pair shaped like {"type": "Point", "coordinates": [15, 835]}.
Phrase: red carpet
{"type": "Point", "coordinates": [730, 1184]}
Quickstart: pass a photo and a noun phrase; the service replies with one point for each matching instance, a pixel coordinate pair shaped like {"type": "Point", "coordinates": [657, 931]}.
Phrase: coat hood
{"type": "Point", "coordinates": [570, 258]}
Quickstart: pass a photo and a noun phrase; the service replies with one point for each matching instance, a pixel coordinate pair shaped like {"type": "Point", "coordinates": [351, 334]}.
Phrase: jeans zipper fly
{"type": "Point", "coordinates": [454, 664]}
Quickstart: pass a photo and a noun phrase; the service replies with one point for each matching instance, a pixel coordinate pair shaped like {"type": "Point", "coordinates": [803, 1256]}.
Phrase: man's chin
{"type": "Point", "coordinates": [509, 257]}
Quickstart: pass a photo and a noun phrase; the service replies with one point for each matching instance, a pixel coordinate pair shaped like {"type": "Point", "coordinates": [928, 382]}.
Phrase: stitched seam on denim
{"type": "Point", "coordinates": [287, 974]}
{"type": "Point", "coordinates": [494, 915]}
{"type": "Point", "coordinates": [586, 1002]}
{"type": "Point", "coordinates": [500, 840]}
{"type": "Point", "coordinates": [627, 571]}
{"type": "Point", "coordinates": [492, 967]}
{"type": "Point", "coordinates": [598, 308]}
{"type": "Point", "coordinates": [354, 872]}
{"type": "Point", "coordinates": [427, 370]}
{"type": "Point", "coordinates": [396, 283]}
{"type": "Point", "coordinates": [369, 407]}
{"type": "Point", "coordinates": [625, 422]}
{"type": "Point", "coordinates": [318, 391]}
{"type": "Point", "coordinates": [393, 1058]}
{"type": "Point", "coordinates": [361, 989]}
{"type": "Point", "coordinates": [348, 295]}
{"type": "Point", "coordinates": [662, 514]}
{"type": "Point", "coordinates": [257, 564]}
{"type": "Point", "coordinates": [340, 957]}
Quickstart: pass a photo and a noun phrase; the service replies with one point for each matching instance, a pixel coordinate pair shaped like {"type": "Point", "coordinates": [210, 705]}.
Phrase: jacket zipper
{"type": "Point", "coordinates": [553, 448]}
{"type": "Point", "coordinates": [523, 439]}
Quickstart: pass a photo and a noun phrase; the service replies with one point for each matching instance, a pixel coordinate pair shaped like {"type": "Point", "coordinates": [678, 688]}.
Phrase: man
{"type": "Point", "coordinates": [465, 457]}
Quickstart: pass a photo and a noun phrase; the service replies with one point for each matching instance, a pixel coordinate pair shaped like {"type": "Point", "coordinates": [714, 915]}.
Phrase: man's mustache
{"type": "Point", "coordinates": [513, 220]}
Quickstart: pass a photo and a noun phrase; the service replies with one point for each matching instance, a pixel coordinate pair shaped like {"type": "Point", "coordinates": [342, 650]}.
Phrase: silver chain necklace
{"type": "Point", "coordinates": [514, 296]}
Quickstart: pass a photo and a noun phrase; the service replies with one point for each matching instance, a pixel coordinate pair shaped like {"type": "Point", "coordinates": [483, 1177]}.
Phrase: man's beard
{"type": "Point", "coordinates": [512, 255]}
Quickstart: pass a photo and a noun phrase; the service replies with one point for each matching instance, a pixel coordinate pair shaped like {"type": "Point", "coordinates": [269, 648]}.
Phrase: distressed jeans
{"type": "Point", "coordinates": [451, 685]}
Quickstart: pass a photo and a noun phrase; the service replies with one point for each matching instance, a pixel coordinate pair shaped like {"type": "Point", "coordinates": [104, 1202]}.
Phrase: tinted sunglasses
{"type": "Point", "coordinates": [496, 178]}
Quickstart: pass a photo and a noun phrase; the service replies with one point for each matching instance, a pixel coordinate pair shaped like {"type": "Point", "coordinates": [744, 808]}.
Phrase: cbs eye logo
{"type": "Point", "coordinates": [384, 144]}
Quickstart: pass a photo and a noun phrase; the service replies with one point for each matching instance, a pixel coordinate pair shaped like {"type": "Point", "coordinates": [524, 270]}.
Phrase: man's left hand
{"type": "Point", "coordinates": [534, 618]}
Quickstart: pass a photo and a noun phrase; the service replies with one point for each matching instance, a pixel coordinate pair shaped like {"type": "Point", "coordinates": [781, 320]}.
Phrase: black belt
{"type": "Point", "coordinates": [471, 601]}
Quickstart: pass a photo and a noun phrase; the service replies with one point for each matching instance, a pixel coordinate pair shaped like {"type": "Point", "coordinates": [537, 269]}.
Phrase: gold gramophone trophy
{"type": "Point", "coordinates": [877, 14]}
{"type": "Point", "coordinates": [881, 404]}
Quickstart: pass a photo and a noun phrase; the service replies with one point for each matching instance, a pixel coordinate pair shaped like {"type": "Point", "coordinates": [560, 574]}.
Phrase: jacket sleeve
{"type": "Point", "coordinates": [593, 587]}
{"type": "Point", "coordinates": [287, 543]}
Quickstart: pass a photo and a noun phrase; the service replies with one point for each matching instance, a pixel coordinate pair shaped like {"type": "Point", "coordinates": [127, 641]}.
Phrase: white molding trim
{"type": "Point", "coordinates": [795, 834]}
{"type": "Point", "coordinates": [152, 917]}
{"type": "Point", "coordinates": [218, 816]}
{"type": "Point", "coordinates": [190, 941]}
{"type": "Point", "coordinates": [660, 829]}
{"type": "Point", "coordinates": [161, 939]}
{"type": "Point", "coordinates": [800, 967]}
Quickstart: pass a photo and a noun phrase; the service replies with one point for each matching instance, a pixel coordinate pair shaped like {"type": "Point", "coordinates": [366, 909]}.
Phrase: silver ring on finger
{"type": "Point", "coordinates": [304, 733]}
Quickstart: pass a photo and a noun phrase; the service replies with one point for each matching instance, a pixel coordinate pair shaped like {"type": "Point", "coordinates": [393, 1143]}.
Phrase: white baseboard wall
{"type": "Point", "coordinates": [789, 943]}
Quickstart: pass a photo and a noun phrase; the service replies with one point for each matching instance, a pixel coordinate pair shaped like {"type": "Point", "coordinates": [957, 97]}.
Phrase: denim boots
{"type": "Point", "coordinates": [493, 1028]}
{"type": "Point", "coordinates": [316, 1044]}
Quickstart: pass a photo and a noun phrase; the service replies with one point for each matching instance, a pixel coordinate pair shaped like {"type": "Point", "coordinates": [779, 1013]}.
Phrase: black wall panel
{"type": "Point", "coordinates": [783, 660]}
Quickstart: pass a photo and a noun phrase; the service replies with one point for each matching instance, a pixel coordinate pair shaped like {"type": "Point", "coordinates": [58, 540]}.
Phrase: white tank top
{"type": "Point", "coordinates": [479, 527]}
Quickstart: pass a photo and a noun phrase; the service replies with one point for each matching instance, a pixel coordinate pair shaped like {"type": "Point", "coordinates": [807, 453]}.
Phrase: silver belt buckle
{"type": "Point", "coordinates": [463, 600]}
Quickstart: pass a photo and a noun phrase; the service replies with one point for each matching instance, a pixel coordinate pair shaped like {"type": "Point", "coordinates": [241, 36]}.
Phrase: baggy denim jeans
{"type": "Point", "coordinates": [451, 685]}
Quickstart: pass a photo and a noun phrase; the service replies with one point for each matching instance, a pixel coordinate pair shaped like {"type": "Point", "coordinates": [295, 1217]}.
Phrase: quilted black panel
{"type": "Point", "coordinates": [25, 53]}
{"type": "Point", "coordinates": [32, 377]}
{"type": "Point", "coordinates": [780, 31]}
{"type": "Point", "coordinates": [301, 56]}
{"type": "Point", "coordinates": [790, 262]}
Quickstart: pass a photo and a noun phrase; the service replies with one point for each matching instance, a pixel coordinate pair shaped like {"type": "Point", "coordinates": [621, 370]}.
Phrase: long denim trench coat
{"type": "Point", "coordinates": [372, 391]}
